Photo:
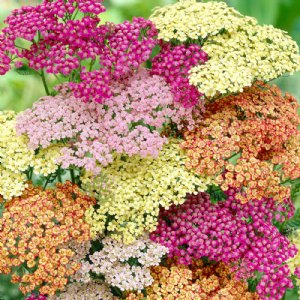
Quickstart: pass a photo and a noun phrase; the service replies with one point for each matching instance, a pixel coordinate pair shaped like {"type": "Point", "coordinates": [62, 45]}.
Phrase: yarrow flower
{"type": "Point", "coordinates": [16, 158]}
{"type": "Point", "coordinates": [131, 190]}
{"type": "Point", "coordinates": [35, 231]}
{"type": "Point", "coordinates": [259, 127]}
{"type": "Point", "coordinates": [127, 123]}
{"type": "Point", "coordinates": [60, 43]}
{"type": "Point", "coordinates": [173, 63]}
{"type": "Point", "coordinates": [213, 281]}
{"type": "Point", "coordinates": [90, 290]}
{"type": "Point", "coordinates": [239, 50]}
{"type": "Point", "coordinates": [294, 263]}
{"type": "Point", "coordinates": [126, 267]}
{"type": "Point", "coordinates": [242, 236]}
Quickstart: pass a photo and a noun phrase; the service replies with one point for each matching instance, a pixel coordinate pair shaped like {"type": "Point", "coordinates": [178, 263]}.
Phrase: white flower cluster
{"type": "Point", "coordinates": [125, 266]}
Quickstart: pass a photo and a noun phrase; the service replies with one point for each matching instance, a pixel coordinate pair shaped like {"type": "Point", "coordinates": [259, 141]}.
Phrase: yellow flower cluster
{"type": "Point", "coordinates": [16, 158]}
{"type": "Point", "coordinates": [189, 19]}
{"type": "Point", "coordinates": [137, 187]}
{"type": "Point", "coordinates": [294, 262]}
{"type": "Point", "coordinates": [240, 58]}
{"type": "Point", "coordinates": [240, 51]}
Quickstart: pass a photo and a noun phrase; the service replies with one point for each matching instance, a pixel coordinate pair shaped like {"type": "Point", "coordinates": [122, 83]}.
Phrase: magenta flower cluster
{"type": "Point", "coordinates": [241, 235]}
{"type": "Point", "coordinates": [126, 47]}
{"type": "Point", "coordinates": [174, 63]}
{"type": "Point", "coordinates": [129, 122]}
{"type": "Point", "coordinates": [60, 44]}
{"type": "Point", "coordinates": [36, 297]}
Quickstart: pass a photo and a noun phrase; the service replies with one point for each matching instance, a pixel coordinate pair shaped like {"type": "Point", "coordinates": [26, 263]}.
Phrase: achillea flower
{"type": "Point", "coordinates": [173, 63]}
{"type": "Point", "coordinates": [60, 44]}
{"type": "Point", "coordinates": [16, 158]}
{"type": "Point", "coordinates": [125, 266]}
{"type": "Point", "coordinates": [239, 50]}
{"type": "Point", "coordinates": [240, 235]}
{"type": "Point", "coordinates": [38, 229]}
{"type": "Point", "coordinates": [259, 126]}
{"type": "Point", "coordinates": [294, 263]}
{"type": "Point", "coordinates": [131, 190]}
{"type": "Point", "coordinates": [130, 122]}
{"type": "Point", "coordinates": [85, 291]}
{"type": "Point", "coordinates": [197, 281]}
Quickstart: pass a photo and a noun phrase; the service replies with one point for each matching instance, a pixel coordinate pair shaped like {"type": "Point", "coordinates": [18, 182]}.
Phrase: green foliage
{"type": "Point", "coordinates": [25, 70]}
{"type": "Point", "coordinates": [216, 194]}
{"type": "Point", "coordinates": [253, 282]}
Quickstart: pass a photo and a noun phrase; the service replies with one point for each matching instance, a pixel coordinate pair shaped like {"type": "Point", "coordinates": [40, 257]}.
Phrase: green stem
{"type": "Point", "coordinates": [47, 181]}
{"type": "Point", "coordinates": [75, 15]}
{"type": "Point", "coordinates": [91, 65]}
{"type": "Point", "coordinates": [233, 155]}
{"type": "Point", "coordinates": [59, 175]}
{"type": "Point", "coordinates": [72, 175]}
{"type": "Point", "coordinates": [45, 83]}
{"type": "Point", "coordinates": [58, 79]}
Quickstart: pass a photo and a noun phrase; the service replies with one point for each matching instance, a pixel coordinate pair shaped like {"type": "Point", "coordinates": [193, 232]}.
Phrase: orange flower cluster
{"type": "Point", "coordinates": [35, 231]}
{"type": "Point", "coordinates": [260, 127]}
{"type": "Point", "coordinates": [198, 282]}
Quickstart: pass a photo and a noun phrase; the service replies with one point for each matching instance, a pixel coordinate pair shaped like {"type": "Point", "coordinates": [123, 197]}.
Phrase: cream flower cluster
{"type": "Point", "coordinates": [294, 262]}
{"type": "Point", "coordinates": [240, 58]}
{"type": "Point", "coordinates": [126, 266]}
{"type": "Point", "coordinates": [85, 291]}
{"type": "Point", "coordinates": [131, 191]}
{"type": "Point", "coordinates": [240, 51]}
{"type": "Point", "coordinates": [16, 158]}
{"type": "Point", "coordinates": [191, 20]}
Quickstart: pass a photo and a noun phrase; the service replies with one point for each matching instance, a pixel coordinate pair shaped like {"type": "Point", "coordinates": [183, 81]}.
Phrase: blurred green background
{"type": "Point", "coordinates": [19, 92]}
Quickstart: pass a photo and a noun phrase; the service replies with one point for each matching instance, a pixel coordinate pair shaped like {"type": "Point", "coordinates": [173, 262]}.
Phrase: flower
{"type": "Point", "coordinates": [131, 190]}
{"type": "Point", "coordinates": [35, 230]}
{"type": "Point", "coordinates": [239, 50]}
{"type": "Point", "coordinates": [16, 158]}
{"type": "Point", "coordinates": [259, 128]}
{"type": "Point", "coordinates": [173, 63]}
{"type": "Point", "coordinates": [125, 266]}
{"type": "Point", "coordinates": [130, 122]}
{"type": "Point", "coordinates": [197, 281]}
{"type": "Point", "coordinates": [240, 235]}
{"type": "Point", "coordinates": [90, 290]}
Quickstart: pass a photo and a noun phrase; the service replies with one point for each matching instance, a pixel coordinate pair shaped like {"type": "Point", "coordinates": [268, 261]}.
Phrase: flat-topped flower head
{"type": "Point", "coordinates": [131, 191]}
{"type": "Point", "coordinates": [239, 50]}
{"type": "Point", "coordinates": [197, 281]}
{"type": "Point", "coordinates": [16, 158]}
{"type": "Point", "coordinates": [130, 122]}
{"type": "Point", "coordinates": [259, 127]}
{"type": "Point", "coordinates": [191, 20]}
{"type": "Point", "coordinates": [241, 236]}
{"type": "Point", "coordinates": [126, 267]}
{"type": "Point", "coordinates": [37, 229]}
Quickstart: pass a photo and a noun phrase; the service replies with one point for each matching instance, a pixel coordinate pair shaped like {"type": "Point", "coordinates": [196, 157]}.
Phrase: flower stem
{"type": "Point", "coordinates": [72, 175]}
{"type": "Point", "coordinates": [45, 83]}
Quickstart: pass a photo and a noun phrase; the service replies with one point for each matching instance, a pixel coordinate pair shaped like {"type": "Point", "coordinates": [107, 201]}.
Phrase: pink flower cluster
{"type": "Point", "coordinates": [236, 234]}
{"type": "Point", "coordinates": [174, 63]}
{"type": "Point", "coordinates": [129, 122]}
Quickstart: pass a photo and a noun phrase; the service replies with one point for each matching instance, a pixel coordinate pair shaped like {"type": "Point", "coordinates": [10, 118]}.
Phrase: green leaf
{"type": "Point", "coordinates": [253, 282]}
{"type": "Point", "coordinates": [292, 224]}
{"type": "Point", "coordinates": [291, 294]}
{"type": "Point", "coordinates": [216, 194]}
{"type": "Point", "coordinates": [25, 70]}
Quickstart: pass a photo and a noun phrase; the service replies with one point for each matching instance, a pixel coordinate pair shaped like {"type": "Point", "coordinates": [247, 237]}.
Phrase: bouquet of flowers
{"type": "Point", "coordinates": [160, 165]}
